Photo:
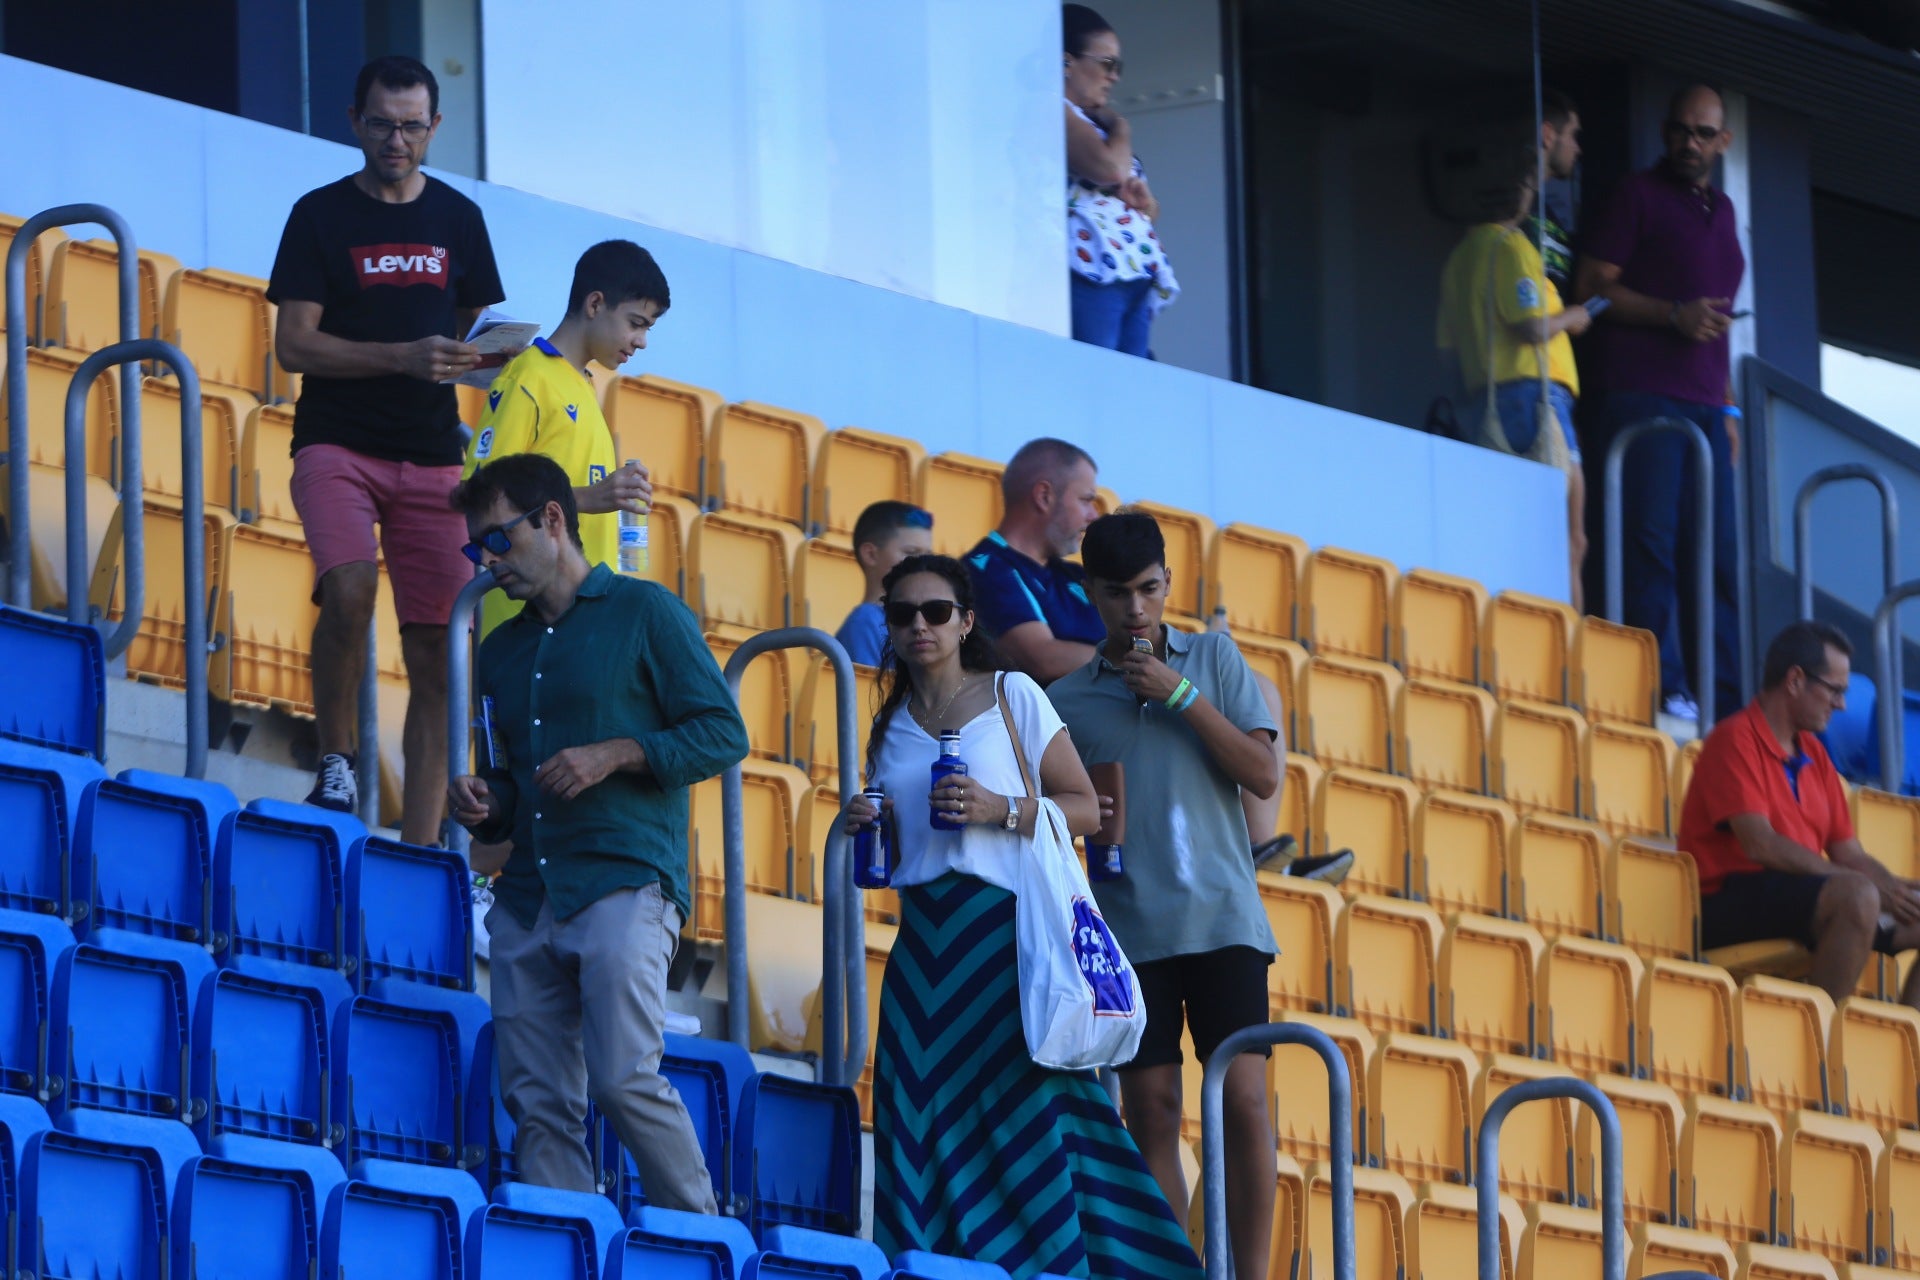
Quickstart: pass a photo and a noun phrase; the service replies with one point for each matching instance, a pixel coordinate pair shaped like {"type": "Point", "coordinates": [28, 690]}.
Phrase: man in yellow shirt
{"type": "Point", "coordinates": [545, 402]}
{"type": "Point", "coordinates": [1494, 277]}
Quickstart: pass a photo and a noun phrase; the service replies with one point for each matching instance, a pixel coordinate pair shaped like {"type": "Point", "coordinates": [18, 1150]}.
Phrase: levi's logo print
{"type": "Point", "coordinates": [401, 265]}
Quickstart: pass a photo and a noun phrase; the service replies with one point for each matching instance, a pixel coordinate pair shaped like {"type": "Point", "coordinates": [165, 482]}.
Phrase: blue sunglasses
{"type": "Point", "coordinates": [494, 539]}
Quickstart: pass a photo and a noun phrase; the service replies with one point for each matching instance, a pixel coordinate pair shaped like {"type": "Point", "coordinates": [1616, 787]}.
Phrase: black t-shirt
{"type": "Point", "coordinates": [384, 273]}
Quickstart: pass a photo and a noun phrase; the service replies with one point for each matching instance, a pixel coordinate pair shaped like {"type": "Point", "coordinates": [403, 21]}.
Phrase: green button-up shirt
{"type": "Point", "coordinates": [626, 661]}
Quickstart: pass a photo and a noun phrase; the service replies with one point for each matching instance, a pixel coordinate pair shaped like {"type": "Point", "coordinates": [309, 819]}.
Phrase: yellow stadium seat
{"type": "Point", "coordinates": [670, 524]}
{"type": "Point", "coordinates": [1654, 895]}
{"type": "Point", "coordinates": [1529, 641]}
{"type": "Point", "coordinates": [1783, 1031]}
{"type": "Point", "coordinates": [1385, 954]}
{"type": "Point", "coordinates": [1441, 731]}
{"type": "Point", "coordinates": [1873, 1063]}
{"type": "Point", "coordinates": [1301, 1108]}
{"type": "Point", "coordinates": [37, 268]}
{"type": "Point", "coordinates": [1730, 1168]}
{"type": "Point", "coordinates": [1443, 1234]}
{"type": "Point", "coordinates": [764, 457]}
{"type": "Point", "coordinates": [1889, 828]}
{"type": "Point", "coordinates": [1420, 1102]}
{"type": "Point", "coordinates": [158, 652]}
{"type": "Point", "coordinates": [1536, 757]}
{"type": "Point", "coordinates": [1650, 1119]}
{"type": "Point", "coordinates": [1297, 793]}
{"type": "Point", "coordinates": [221, 320]}
{"type": "Point", "coordinates": [783, 972]}
{"type": "Point", "coordinates": [1861, 1271]}
{"type": "Point", "coordinates": [1380, 1204]}
{"type": "Point", "coordinates": [1770, 1262]}
{"type": "Point", "coordinates": [1461, 850]}
{"type": "Point", "coordinates": [856, 468]}
{"type": "Point", "coordinates": [1488, 979]}
{"type": "Point", "coordinates": [1558, 882]}
{"type": "Point", "coordinates": [1560, 1243]}
{"type": "Point", "coordinates": [1624, 774]}
{"type": "Point", "coordinates": [1827, 1185]}
{"type": "Point", "coordinates": [667, 425]}
{"type": "Point", "coordinates": [1304, 912]}
{"type": "Point", "coordinates": [1689, 1030]}
{"type": "Point", "coordinates": [1616, 672]}
{"type": "Point", "coordinates": [1289, 1218]}
{"type": "Point", "coordinates": [1280, 661]}
{"type": "Point", "coordinates": [223, 416]}
{"type": "Point", "coordinates": [816, 723]}
{"type": "Point", "coordinates": [47, 497]}
{"type": "Point", "coordinates": [828, 582]}
{"type": "Point", "coordinates": [739, 572]}
{"type": "Point", "coordinates": [266, 465]}
{"type": "Point", "coordinates": [1371, 814]}
{"type": "Point", "coordinates": [1347, 712]}
{"type": "Point", "coordinates": [1897, 1200]}
{"type": "Point", "coordinates": [766, 697]}
{"type": "Point", "coordinates": [270, 595]}
{"type": "Point", "coordinates": [1188, 535]}
{"type": "Point", "coordinates": [1683, 772]}
{"type": "Point", "coordinates": [963, 493]}
{"type": "Point", "coordinates": [1536, 1139]}
{"type": "Point", "coordinates": [82, 304]}
{"type": "Point", "coordinates": [50, 371]}
{"type": "Point", "coordinates": [1348, 598]}
{"type": "Point", "coordinates": [1254, 575]}
{"type": "Point", "coordinates": [771, 796]}
{"type": "Point", "coordinates": [1436, 626]}
{"type": "Point", "coordinates": [1590, 992]}
{"type": "Point", "coordinates": [1656, 1249]}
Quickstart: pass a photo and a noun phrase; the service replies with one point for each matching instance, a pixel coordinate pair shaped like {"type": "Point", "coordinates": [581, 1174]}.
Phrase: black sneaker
{"type": "Point", "coordinates": [1331, 869]}
{"type": "Point", "coordinates": [1276, 854]}
{"type": "Point", "coordinates": [335, 787]}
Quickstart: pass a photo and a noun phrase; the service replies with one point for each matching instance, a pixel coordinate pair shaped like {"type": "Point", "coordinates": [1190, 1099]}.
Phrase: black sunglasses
{"type": "Point", "coordinates": [495, 539]}
{"type": "Point", "coordinates": [901, 613]}
{"type": "Point", "coordinates": [1704, 132]}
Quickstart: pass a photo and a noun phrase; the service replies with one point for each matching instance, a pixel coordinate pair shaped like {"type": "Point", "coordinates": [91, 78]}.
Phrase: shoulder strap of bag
{"type": "Point", "coordinates": [1013, 732]}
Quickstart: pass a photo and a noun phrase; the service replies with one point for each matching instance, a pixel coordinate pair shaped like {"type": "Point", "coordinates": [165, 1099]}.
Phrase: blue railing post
{"type": "Point", "coordinates": [1613, 1227]}
{"type": "Point", "coordinates": [1213, 1155]}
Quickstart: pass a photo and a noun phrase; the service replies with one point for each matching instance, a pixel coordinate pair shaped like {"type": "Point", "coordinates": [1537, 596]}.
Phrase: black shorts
{"type": "Point", "coordinates": [1754, 905]}
{"type": "Point", "coordinates": [1217, 993]}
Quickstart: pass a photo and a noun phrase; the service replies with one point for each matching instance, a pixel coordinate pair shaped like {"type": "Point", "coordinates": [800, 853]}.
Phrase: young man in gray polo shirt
{"type": "Point", "coordinates": [1191, 730]}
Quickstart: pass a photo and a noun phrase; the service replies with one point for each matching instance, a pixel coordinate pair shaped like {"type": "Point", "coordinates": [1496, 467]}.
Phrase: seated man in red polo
{"type": "Point", "coordinates": [1767, 825]}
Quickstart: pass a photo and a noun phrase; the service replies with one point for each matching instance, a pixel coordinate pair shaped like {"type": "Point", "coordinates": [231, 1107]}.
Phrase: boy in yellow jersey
{"type": "Point", "coordinates": [545, 402]}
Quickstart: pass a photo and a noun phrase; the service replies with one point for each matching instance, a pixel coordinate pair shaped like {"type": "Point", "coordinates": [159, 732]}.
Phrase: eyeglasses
{"type": "Point", "coordinates": [938, 613]}
{"type": "Point", "coordinates": [495, 539]}
{"type": "Point", "coordinates": [380, 129]}
{"type": "Point", "coordinates": [1107, 63]}
{"type": "Point", "coordinates": [1704, 132]}
{"type": "Point", "coordinates": [1837, 691]}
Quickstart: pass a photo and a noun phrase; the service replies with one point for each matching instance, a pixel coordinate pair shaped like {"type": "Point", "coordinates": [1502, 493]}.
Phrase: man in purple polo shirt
{"type": "Point", "coordinates": [1667, 256]}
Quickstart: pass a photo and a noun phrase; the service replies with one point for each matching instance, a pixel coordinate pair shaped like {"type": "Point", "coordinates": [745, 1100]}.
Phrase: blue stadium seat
{"type": "Point", "coordinates": [20, 1119]}
{"type": "Point", "coordinates": [709, 1076]}
{"type": "Point", "coordinates": [667, 1244]}
{"type": "Point", "coordinates": [538, 1231]}
{"type": "Point", "coordinates": [251, 1209]}
{"type": "Point", "coordinates": [473, 1024]}
{"type": "Point", "coordinates": [918, 1264]}
{"type": "Point", "coordinates": [143, 855]}
{"type": "Point", "coordinates": [796, 1155]}
{"type": "Point", "coordinates": [123, 1021]}
{"type": "Point", "coordinates": [40, 791]}
{"type": "Point", "coordinates": [284, 892]}
{"type": "Point", "coordinates": [53, 682]}
{"type": "Point", "coordinates": [414, 908]}
{"type": "Point", "coordinates": [1851, 737]}
{"type": "Point", "coordinates": [96, 1196]}
{"type": "Point", "coordinates": [790, 1251]}
{"type": "Point", "coordinates": [261, 1051]}
{"type": "Point", "coordinates": [32, 1057]}
{"type": "Point", "coordinates": [396, 1072]}
{"type": "Point", "coordinates": [393, 1221]}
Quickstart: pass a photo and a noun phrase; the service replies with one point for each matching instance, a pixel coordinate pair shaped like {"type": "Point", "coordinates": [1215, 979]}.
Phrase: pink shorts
{"type": "Point", "coordinates": [341, 495]}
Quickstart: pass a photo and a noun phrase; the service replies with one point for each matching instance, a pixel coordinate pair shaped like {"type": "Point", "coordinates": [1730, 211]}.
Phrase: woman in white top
{"type": "Point", "coordinates": [1120, 277]}
{"type": "Point", "coordinates": [978, 1152]}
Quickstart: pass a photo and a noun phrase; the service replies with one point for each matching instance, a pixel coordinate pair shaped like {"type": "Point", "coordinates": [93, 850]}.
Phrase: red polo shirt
{"type": "Point", "coordinates": [1743, 769]}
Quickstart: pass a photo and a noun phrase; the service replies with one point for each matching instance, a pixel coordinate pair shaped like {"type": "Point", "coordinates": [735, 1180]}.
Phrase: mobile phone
{"type": "Point", "coordinates": [1596, 304]}
{"type": "Point", "coordinates": [1738, 315]}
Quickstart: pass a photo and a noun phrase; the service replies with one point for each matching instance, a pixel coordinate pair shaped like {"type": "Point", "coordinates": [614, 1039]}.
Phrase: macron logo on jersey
{"type": "Point", "coordinates": [400, 265]}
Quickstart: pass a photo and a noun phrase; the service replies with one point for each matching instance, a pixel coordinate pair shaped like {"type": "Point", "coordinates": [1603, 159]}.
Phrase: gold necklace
{"type": "Point", "coordinates": [928, 722]}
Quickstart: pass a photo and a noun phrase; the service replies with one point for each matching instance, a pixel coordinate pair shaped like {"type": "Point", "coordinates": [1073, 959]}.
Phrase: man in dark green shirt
{"type": "Point", "coordinates": [603, 706]}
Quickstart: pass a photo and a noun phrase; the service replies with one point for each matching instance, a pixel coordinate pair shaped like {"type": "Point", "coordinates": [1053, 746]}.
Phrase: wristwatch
{"type": "Point", "coordinates": [1013, 813]}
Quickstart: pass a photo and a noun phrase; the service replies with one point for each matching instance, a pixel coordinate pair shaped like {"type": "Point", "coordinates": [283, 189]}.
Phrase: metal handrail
{"type": "Point", "coordinates": [1213, 1155]}
{"type": "Point", "coordinates": [843, 985]}
{"type": "Point", "coordinates": [460, 694]}
{"type": "Point", "coordinates": [1888, 669]}
{"type": "Point", "coordinates": [1803, 527]}
{"type": "Point", "coordinates": [193, 533]}
{"type": "Point", "coordinates": [20, 536]}
{"type": "Point", "coordinates": [366, 759]}
{"type": "Point", "coordinates": [1703, 565]}
{"type": "Point", "coordinates": [1613, 1227]}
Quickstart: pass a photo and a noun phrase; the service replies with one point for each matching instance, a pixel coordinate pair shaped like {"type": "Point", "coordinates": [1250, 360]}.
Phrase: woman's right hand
{"type": "Point", "coordinates": [861, 813]}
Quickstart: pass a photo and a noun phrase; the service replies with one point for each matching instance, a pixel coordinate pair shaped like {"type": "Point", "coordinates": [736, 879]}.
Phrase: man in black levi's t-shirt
{"type": "Point", "coordinates": [378, 277]}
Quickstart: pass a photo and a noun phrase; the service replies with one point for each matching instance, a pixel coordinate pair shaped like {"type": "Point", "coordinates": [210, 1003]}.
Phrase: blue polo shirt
{"type": "Point", "coordinates": [1010, 589]}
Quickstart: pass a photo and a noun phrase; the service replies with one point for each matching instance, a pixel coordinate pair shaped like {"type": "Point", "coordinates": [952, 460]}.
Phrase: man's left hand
{"type": "Point", "coordinates": [1148, 677]}
{"type": "Point", "coordinates": [567, 773]}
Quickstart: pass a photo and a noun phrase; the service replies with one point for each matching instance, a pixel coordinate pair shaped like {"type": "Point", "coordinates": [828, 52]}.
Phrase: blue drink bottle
{"type": "Point", "coordinates": [948, 763]}
{"type": "Point", "coordinates": [873, 847]}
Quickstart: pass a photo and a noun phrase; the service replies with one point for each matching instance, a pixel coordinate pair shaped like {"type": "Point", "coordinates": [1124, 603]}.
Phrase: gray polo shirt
{"type": "Point", "coordinates": [1189, 886]}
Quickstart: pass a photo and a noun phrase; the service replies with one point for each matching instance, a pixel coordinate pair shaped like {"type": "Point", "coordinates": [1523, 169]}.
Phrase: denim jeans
{"type": "Point", "coordinates": [1658, 528]}
{"type": "Point", "coordinates": [1518, 404]}
{"type": "Point", "coordinates": [1116, 316]}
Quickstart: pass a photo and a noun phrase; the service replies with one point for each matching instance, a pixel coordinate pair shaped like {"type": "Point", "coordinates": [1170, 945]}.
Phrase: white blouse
{"type": "Point", "coordinates": [903, 767]}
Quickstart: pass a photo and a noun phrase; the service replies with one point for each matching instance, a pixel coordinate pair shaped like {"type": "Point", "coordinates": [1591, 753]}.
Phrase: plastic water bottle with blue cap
{"type": "Point", "coordinates": [634, 555]}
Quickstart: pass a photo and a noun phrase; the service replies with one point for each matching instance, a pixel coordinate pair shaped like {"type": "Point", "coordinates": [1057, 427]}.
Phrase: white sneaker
{"type": "Point", "coordinates": [482, 903]}
{"type": "Point", "coordinates": [1681, 707]}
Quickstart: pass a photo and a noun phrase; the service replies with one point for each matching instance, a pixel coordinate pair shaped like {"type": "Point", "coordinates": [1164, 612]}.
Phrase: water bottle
{"type": "Point", "coordinates": [1104, 862]}
{"type": "Point", "coordinates": [1104, 846]}
{"type": "Point", "coordinates": [948, 763]}
{"type": "Point", "coordinates": [634, 556]}
{"type": "Point", "coordinates": [873, 847]}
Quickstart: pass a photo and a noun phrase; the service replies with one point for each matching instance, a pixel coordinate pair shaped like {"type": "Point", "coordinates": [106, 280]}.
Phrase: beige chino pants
{"type": "Point", "coordinates": [578, 1010]}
